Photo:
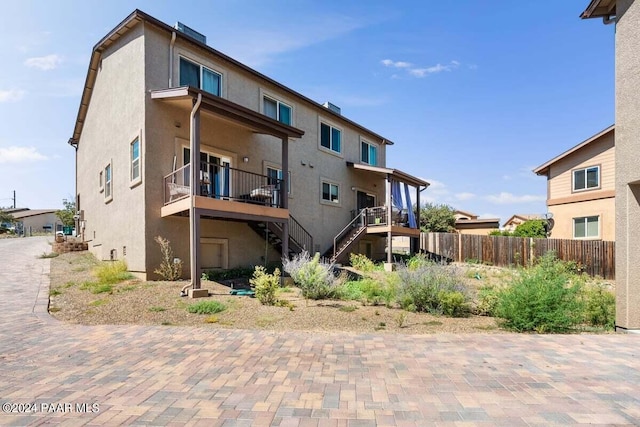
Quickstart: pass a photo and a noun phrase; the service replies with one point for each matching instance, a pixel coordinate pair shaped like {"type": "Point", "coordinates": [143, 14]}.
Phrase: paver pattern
{"type": "Point", "coordinates": [142, 375]}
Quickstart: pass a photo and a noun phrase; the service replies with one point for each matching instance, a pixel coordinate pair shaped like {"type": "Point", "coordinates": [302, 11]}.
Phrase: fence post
{"type": "Point", "coordinates": [531, 251]}
{"type": "Point", "coordinates": [459, 247]}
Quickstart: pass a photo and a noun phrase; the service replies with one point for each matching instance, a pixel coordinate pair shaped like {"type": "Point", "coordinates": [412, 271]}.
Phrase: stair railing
{"type": "Point", "coordinates": [300, 235]}
{"type": "Point", "coordinates": [361, 218]}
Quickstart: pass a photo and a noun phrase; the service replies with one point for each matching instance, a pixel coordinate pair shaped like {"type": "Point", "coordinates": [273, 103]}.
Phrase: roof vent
{"type": "Point", "coordinates": [190, 32]}
{"type": "Point", "coordinates": [332, 107]}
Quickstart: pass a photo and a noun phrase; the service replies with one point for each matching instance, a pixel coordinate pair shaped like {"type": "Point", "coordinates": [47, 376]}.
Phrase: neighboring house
{"type": "Point", "coordinates": [36, 220]}
{"type": "Point", "coordinates": [626, 16]}
{"type": "Point", "coordinates": [469, 223]}
{"type": "Point", "coordinates": [512, 223]}
{"type": "Point", "coordinates": [158, 99]}
{"type": "Point", "coordinates": [581, 189]}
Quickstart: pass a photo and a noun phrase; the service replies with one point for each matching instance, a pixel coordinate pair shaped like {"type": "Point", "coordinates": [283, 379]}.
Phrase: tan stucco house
{"type": "Point", "coordinates": [469, 223]}
{"type": "Point", "coordinates": [625, 14]}
{"type": "Point", "coordinates": [158, 99]}
{"type": "Point", "coordinates": [515, 220]}
{"type": "Point", "coordinates": [35, 220]}
{"type": "Point", "coordinates": [581, 189]}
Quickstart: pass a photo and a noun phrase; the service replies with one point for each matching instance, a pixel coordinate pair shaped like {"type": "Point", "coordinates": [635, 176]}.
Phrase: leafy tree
{"type": "Point", "coordinates": [437, 218]}
{"type": "Point", "coordinates": [6, 218]}
{"type": "Point", "coordinates": [66, 215]}
{"type": "Point", "coordinates": [531, 228]}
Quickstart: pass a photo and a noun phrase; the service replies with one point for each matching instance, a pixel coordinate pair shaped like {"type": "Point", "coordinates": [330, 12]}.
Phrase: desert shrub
{"type": "Point", "coordinates": [206, 307]}
{"type": "Point", "coordinates": [417, 261]}
{"type": "Point", "coordinates": [600, 306]}
{"type": "Point", "coordinates": [112, 272]}
{"type": "Point", "coordinates": [428, 288]}
{"type": "Point", "coordinates": [170, 267]}
{"type": "Point", "coordinates": [361, 262]}
{"type": "Point", "coordinates": [453, 303]}
{"type": "Point", "coordinates": [314, 278]}
{"type": "Point", "coordinates": [487, 301]}
{"type": "Point", "coordinates": [368, 291]}
{"type": "Point", "coordinates": [543, 298]}
{"type": "Point", "coordinates": [266, 285]}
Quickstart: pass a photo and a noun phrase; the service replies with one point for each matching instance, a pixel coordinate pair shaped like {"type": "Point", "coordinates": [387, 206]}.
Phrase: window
{"type": "Point", "coordinates": [274, 174]}
{"type": "Point", "coordinates": [330, 192]}
{"type": "Point", "coordinates": [368, 153]}
{"type": "Point", "coordinates": [586, 227]}
{"type": "Point", "coordinates": [107, 182]}
{"type": "Point", "coordinates": [135, 160]}
{"type": "Point", "coordinates": [587, 178]}
{"type": "Point", "coordinates": [330, 137]}
{"type": "Point", "coordinates": [277, 110]}
{"type": "Point", "coordinates": [192, 74]}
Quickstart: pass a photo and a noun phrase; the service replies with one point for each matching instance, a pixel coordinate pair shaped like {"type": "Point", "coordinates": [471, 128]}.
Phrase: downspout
{"type": "Point", "coordinates": [194, 174]}
{"type": "Point", "coordinates": [606, 20]}
{"type": "Point", "coordinates": [173, 40]}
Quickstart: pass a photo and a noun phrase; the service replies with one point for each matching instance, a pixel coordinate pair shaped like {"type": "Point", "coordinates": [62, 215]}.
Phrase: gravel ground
{"type": "Point", "coordinates": [159, 303]}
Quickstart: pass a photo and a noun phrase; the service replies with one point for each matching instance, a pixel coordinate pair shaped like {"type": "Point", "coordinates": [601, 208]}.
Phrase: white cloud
{"type": "Point", "coordinates": [11, 95]}
{"type": "Point", "coordinates": [44, 63]}
{"type": "Point", "coordinates": [16, 154]}
{"type": "Point", "coordinates": [423, 72]}
{"type": "Point", "coordinates": [395, 64]}
{"type": "Point", "coordinates": [465, 196]}
{"type": "Point", "coordinates": [505, 198]}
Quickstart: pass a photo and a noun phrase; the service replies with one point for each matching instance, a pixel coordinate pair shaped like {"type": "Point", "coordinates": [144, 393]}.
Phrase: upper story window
{"type": "Point", "coordinates": [368, 153]}
{"type": "Point", "coordinates": [135, 159]}
{"type": "Point", "coordinates": [330, 192]}
{"type": "Point", "coordinates": [586, 227]}
{"type": "Point", "coordinates": [196, 75]}
{"type": "Point", "coordinates": [586, 178]}
{"type": "Point", "coordinates": [277, 110]}
{"type": "Point", "coordinates": [275, 174]}
{"type": "Point", "coordinates": [330, 138]}
{"type": "Point", "coordinates": [107, 182]}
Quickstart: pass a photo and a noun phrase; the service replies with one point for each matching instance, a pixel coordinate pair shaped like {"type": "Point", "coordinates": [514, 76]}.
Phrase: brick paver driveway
{"type": "Point", "coordinates": [183, 376]}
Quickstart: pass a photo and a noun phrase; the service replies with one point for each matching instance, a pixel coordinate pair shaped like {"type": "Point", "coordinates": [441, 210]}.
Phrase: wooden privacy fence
{"type": "Point", "coordinates": [596, 257]}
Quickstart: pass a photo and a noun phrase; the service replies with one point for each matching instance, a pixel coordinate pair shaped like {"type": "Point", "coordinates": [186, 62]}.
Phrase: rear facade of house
{"type": "Point", "coordinates": [153, 92]}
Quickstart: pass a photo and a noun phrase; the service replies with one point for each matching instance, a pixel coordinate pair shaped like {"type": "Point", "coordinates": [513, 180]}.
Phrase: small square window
{"type": "Point", "coordinates": [586, 227]}
{"type": "Point", "coordinates": [330, 192]}
{"type": "Point", "coordinates": [277, 110]}
{"type": "Point", "coordinates": [368, 153]}
{"type": "Point", "coordinates": [586, 178]}
{"type": "Point", "coordinates": [196, 75]}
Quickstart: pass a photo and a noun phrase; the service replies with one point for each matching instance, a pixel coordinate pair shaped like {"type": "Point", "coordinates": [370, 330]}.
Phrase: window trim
{"type": "Point", "coordinates": [101, 180]}
{"type": "Point", "coordinates": [331, 183]}
{"type": "Point", "coordinates": [202, 66]}
{"type": "Point", "coordinates": [108, 184]}
{"type": "Point", "coordinates": [370, 144]}
{"type": "Point", "coordinates": [135, 181]}
{"type": "Point", "coordinates": [585, 169]}
{"type": "Point", "coordinates": [331, 125]}
{"type": "Point", "coordinates": [279, 100]}
{"type": "Point", "coordinates": [586, 237]}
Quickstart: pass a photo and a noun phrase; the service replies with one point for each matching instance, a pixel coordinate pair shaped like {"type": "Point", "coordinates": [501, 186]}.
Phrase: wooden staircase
{"type": "Point", "coordinates": [299, 238]}
{"type": "Point", "coordinates": [347, 238]}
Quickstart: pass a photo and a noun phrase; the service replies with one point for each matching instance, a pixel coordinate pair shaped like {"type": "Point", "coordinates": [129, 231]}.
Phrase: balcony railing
{"type": "Point", "coordinates": [225, 183]}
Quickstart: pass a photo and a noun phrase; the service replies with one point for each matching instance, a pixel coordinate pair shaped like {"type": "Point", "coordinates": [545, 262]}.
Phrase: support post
{"type": "Point", "coordinates": [284, 195]}
{"type": "Point", "coordinates": [388, 206]}
{"type": "Point", "coordinates": [194, 214]}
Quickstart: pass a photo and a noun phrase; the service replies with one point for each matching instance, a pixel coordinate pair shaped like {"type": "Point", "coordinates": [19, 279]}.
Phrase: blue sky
{"type": "Point", "coordinates": [474, 93]}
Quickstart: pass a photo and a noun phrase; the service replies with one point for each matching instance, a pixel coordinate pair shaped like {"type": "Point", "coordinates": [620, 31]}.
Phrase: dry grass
{"type": "Point", "coordinates": [159, 303]}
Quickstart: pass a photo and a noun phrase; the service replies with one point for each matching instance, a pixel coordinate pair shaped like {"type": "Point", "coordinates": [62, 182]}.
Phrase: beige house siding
{"type": "Point", "coordinates": [597, 153]}
{"type": "Point", "coordinates": [564, 214]}
{"type": "Point", "coordinates": [115, 118]}
{"type": "Point", "coordinates": [477, 231]}
{"type": "Point", "coordinates": [627, 164]}
{"type": "Point", "coordinates": [36, 223]}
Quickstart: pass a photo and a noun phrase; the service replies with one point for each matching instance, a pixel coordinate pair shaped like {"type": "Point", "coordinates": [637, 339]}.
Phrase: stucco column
{"type": "Point", "coordinates": [415, 243]}
{"type": "Point", "coordinates": [284, 195]}
{"type": "Point", "coordinates": [388, 206]}
{"type": "Point", "coordinates": [194, 214]}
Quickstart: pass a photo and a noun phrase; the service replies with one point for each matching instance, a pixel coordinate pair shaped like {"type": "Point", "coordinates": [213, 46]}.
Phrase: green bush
{"type": "Point", "coordinates": [600, 306]}
{"type": "Point", "coordinates": [418, 260]}
{"type": "Point", "coordinates": [112, 272]}
{"type": "Point", "coordinates": [544, 298]}
{"type": "Point", "coordinates": [361, 262]}
{"type": "Point", "coordinates": [487, 301]}
{"type": "Point", "coordinates": [453, 303]}
{"type": "Point", "coordinates": [206, 307]}
{"type": "Point", "coordinates": [368, 291]}
{"type": "Point", "coordinates": [266, 285]}
{"type": "Point", "coordinates": [315, 279]}
{"type": "Point", "coordinates": [429, 288]}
